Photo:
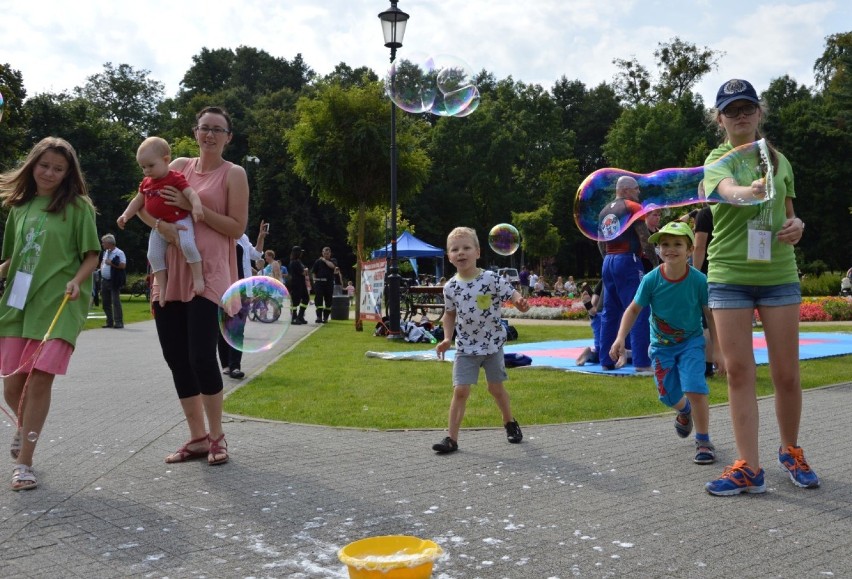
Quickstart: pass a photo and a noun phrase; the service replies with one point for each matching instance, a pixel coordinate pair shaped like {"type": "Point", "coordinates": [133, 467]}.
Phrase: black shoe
{"type": "Point", "coordinates": [236, 373]}
{"type": "Point", "coordinates": [118, 326]}
{"type": "Point", "coordinates": [446, 446]}
{"type": "Point", "coordinates": [298, 322]}
{"type": "Point", "coordinates": [513, 432]}
{"type": "Point", "coordinates": [107, 326]}
{"type": "Point", "coordinates": [318, 321]}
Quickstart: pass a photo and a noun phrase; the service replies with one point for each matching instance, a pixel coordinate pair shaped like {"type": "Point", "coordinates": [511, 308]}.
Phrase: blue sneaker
{"type": "Point", "coordinates": [794, 465]}
{"type": "Point", "coordinates": [683, 424]}
{"type": "Point", "coordinates": [736, 479]}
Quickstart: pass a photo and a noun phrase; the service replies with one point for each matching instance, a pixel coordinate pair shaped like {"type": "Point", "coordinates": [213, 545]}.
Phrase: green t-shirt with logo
{"type": "Point", "coordinates": [50, 246]}
{"type": "Point", "coordinates": [729, 249]}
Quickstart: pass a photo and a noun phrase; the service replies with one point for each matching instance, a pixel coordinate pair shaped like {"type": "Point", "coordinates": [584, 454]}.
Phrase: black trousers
{"type": "Point", "coordinates": [322, 300]}
{"type": "Point", "coordinates": [188, 333]}
{"type": "Point", "coordinates": [112, 303]}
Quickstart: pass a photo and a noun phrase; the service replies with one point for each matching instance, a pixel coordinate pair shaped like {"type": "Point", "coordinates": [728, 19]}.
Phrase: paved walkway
{"type": "Point", "coordinates": [599, 499]}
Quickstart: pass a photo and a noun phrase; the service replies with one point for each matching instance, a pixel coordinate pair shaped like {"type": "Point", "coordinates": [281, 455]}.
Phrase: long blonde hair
{"type": "Point", "coordinates": [18, 186]}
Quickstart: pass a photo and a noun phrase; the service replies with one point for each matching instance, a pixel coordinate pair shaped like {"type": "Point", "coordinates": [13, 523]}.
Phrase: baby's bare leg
{"type": "Point", "coordinates": [197, 278]}
{"type": "Point", "coordinates": [162, 278]}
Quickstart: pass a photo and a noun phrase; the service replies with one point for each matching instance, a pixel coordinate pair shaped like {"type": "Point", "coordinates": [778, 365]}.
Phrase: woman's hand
{"type": "Point", "coordinates": [792, 231]}
{"type": "Point", "coordinates": [175, 197]}
{"type": "Point", "coordinates": [169, 231]}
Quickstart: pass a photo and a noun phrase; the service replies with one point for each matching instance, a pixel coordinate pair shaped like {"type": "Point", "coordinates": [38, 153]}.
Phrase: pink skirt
{"type": "Point", "coordinates": [16, 356]}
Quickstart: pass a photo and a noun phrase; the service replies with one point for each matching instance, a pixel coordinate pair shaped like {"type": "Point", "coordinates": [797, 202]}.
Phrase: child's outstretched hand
{"type": "Point", "coordinates": [121, 221]}
{"type": "Point", "coordinates": [522, 304]}
{"type": "Point", "coordinates": [442, 347]}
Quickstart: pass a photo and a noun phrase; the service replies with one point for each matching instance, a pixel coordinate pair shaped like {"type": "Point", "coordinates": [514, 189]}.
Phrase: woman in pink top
{"type": "Point", "coordinates": [188, 325]}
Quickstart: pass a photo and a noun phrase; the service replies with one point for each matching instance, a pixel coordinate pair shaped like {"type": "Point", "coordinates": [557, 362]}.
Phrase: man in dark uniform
{"type": "Point", "coordinates": [324, 271]}
{"type": "Point", "coordinates": [297, 286]}
{"type": "Point", "coordinates": [622, 272]}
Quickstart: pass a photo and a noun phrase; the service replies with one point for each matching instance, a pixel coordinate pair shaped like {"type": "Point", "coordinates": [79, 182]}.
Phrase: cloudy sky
{"type": "Point", "coordinates": [56, 44]}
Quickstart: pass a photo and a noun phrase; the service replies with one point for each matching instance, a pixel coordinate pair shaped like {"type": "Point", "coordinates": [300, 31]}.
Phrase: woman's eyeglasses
{"type": "Point", "coordinates": [215, 130]}
{"type": "Point", "coordinates": [734, 112]}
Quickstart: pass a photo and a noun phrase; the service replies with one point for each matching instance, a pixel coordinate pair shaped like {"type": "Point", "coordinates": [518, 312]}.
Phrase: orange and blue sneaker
{"type": "Point", "coordinates": [793, 463]}
{"type": "Point", "coordinates": [737, 479]}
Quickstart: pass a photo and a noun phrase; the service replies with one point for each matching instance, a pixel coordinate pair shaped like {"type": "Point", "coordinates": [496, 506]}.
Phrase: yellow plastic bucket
{"type": "Point", "coordinates": [390, 557]}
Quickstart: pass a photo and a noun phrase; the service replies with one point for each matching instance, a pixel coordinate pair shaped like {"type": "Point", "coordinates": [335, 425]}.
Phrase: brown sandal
{"type": "Point", "coordinates": [184, 453]}
{"type": "Point", "coordinates": [218, 448]}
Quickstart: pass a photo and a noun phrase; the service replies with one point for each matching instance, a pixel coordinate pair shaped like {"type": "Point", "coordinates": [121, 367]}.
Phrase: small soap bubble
{"type": "Point", "coordinates": [667, 188]}
{"type": "Point", "coordinates": [32, 436]}
{"type": "Point", "coordinates": [504, 239]}
{"type": "Point", "coordinates": [254, 313]}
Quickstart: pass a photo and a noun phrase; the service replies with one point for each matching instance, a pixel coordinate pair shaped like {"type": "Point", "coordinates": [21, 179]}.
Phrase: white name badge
{"type": "Point", "coordinates": [20, 289]}
{"type": "Point", "coordinates": [759, 243]}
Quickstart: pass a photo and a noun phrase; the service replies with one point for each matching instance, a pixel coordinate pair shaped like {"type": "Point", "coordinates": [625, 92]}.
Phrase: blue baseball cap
{"type": "Point", "coordinates": [734, 90]}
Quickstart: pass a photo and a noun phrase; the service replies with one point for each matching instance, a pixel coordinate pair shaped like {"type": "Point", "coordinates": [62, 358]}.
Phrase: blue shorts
{"type": "Point", "coordinates": [679, 369]}
{"type": "Point", "coordinates": [726, 296]}
{"type": "Point", "coordinates": [466, 368]}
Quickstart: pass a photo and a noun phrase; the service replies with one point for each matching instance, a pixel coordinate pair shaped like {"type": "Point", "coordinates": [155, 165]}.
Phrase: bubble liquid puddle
{"type": "Point", "coordinates": [254, 313]}
{"type": "Point", "coordinates": [667, 188]}
{"type": "Point", "coordinates": [442, 85]}
{"type": "Point", "coordinates": [504, 239]}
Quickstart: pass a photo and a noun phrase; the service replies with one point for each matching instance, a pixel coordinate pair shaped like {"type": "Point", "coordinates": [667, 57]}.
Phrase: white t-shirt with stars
{"type": "Point", "coordinates": [477, 303]}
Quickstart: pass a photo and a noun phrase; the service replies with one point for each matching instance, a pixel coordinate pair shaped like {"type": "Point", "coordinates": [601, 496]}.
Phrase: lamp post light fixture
{"type": "Point", "coordinates": [393, 26]}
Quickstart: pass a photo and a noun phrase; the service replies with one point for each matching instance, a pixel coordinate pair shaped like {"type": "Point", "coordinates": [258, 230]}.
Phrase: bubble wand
{"type": "Point", "coordinates": [33, 358]}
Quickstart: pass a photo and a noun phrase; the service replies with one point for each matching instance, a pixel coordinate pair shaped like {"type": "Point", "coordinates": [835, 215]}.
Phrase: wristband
{"type": "Point", "coordinates": [588, 305]}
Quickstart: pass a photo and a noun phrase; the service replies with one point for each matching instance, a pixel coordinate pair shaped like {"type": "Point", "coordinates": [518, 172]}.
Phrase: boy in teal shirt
{"type": "Point", "coordinates": [677, 294]}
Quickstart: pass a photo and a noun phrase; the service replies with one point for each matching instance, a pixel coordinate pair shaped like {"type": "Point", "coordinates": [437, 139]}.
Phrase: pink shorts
{"type": "Point", "coordinates": [16, 356]}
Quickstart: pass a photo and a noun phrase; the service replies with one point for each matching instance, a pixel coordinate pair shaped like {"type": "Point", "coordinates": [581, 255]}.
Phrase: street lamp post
{"type": "Point", "coordinates": [393, 26]}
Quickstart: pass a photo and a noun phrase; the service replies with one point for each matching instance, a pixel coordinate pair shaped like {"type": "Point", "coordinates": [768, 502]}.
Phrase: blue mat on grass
{"type": "Point", "coordinates": [561, 355]}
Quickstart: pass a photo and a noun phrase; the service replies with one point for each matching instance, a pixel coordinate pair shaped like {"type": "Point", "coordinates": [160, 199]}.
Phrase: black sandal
{"type": "Point", "coordinates": [445, 446]}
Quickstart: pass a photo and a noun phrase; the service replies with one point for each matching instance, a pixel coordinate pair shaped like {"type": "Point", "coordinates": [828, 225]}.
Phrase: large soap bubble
{"type": "Point", "coordinates": [442, 85]}
{"type": "Point", "coordinates": [665, 188]}
{"type": "Point", "coordinates": [504, 239]}
{"type": "Point", "coordinates": [254, 313]}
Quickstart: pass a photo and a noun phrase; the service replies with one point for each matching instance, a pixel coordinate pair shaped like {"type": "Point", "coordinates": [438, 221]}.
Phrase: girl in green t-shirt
{"type": "Point", "coordinates": [50, 249]}
{"type": "Point", "coordinates": [752, 266]}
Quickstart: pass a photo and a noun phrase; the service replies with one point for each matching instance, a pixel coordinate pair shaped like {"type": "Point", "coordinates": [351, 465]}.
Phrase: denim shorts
{"type": "Point", "coordinates": [726, 296]}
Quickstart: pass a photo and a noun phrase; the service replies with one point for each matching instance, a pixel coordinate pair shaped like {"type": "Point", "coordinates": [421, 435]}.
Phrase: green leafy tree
{"type": "Point", "coordinates": [539, 237]}
{"type": "Point", "coordinates": [125, 95]}
{"type": "Point", "coordinates": [13, 127]}
{"type": "Point", "coordinates": [340, 147]}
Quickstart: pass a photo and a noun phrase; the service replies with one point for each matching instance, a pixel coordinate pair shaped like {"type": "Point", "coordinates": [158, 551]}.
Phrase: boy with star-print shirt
{"type": "Point", "coordinates": [472, 301]}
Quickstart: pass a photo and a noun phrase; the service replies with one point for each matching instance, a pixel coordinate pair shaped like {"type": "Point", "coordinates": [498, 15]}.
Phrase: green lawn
{"type": "Point", "coordinates": [328, 380]}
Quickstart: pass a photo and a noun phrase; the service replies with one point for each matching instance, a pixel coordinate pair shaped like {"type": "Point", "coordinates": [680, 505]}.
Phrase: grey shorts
{"type": "Point", "coordinates": [466, 368]}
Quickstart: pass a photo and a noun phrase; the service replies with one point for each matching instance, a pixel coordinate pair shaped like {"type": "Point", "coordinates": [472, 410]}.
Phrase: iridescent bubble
{"type": "Point", "coordinates": [410, 84]}
{"type": "Point", "coordinates": [2, 106]}
{"type": "Point", "coordinates": [32, 436]}
{"type": "Point", "coordinates": [442, 85]}
{"type": "Point", "coordinates": [504, 239]}
{"type": "Point", "coordinates": [664, 188]}
{"type": "Point", "coordinates": [474, 104]}
{"type": "Point", "coordinates": [254, 313]}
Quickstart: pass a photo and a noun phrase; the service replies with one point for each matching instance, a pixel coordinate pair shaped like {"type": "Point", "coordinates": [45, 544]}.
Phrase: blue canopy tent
{"type": "Point", "coordinates": [408, 246]}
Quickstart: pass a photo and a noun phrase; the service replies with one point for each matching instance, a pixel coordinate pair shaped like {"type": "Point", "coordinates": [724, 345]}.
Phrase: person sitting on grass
{"type": "Point", "coordinates": [472, 301]}
{"type": "Point", "coordinates": [677, 295]}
